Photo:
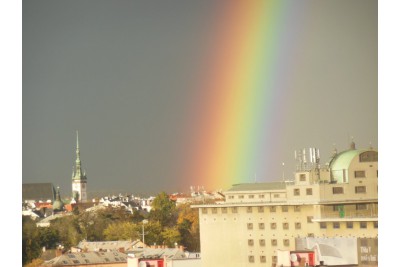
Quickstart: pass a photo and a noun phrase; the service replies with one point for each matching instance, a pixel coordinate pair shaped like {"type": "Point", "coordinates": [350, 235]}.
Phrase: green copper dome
{"type": "Point", "coordinates": [58, 205]}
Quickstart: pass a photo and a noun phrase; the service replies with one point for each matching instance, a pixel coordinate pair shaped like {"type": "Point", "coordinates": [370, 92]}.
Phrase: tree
{"type": "Point", "coordinates": [30, 240]}
{"type": "Point", "coordinates": [121, 231]}
{"type": "Point", "coordinates": [163, 210]}
{"type": "Point", "coordinates": [171, 235]}
{"type": "Point", "coordinates": [188, 226]}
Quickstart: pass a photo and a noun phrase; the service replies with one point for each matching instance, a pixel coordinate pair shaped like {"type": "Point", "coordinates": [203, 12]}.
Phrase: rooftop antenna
{"type": "Point", "coordinates": [283, 171]}
{"type": "Point", "coordinates": [255, 177]}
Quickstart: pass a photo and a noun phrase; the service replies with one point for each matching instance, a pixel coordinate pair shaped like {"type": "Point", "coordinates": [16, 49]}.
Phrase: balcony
{"type": "Point", "coordinates": [346, 214]}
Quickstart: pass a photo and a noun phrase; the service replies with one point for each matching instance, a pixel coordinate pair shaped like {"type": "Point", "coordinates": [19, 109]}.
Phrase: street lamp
{"type": "Point", "coordinates": [143, 222]}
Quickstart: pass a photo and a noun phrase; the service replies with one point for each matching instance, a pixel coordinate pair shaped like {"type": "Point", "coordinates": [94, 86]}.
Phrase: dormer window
{"type": "Point", "coordinates": [302, 177]}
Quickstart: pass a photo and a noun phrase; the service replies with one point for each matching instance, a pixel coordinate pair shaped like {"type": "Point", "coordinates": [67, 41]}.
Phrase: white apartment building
{"type": "Point", "coordinates": [339, 199]}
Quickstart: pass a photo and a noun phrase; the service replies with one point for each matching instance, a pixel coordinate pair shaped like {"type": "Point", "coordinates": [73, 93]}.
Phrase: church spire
{"type": "Point", "coordinates": [78, 174]}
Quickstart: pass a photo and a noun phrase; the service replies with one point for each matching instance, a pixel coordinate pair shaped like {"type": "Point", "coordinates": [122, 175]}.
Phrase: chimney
{"type": "Point", "coordinates": [58, 252]}
{"type": "Point", "coordinates": [181, 248]}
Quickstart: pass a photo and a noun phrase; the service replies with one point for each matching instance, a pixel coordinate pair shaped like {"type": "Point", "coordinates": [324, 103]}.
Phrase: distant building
{"type": "Point", "coordinates": [79, 179]}
{"type": "Point", "coordinates": [339, 199]}
{"type": "Point", "coordinates": [38, 192]}
{"type": "Point", "coordinates": [102, 246]}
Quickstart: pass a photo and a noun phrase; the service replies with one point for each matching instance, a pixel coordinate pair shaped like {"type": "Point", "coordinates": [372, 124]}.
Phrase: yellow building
{"type": "Point", "coordinates": [339, 199]}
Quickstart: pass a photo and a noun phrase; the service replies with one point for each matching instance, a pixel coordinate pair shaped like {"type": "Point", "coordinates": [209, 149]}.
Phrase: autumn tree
{"type": "Point", "coordinates": [188, 226]}
{"type": "Point", "coordinates": [163, 210]}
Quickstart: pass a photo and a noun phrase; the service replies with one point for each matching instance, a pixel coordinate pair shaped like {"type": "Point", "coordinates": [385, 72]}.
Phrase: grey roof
{"type": "Point", "coordinates": [258, 186]}
{"type": "Point", "coordinates": [38, 191]}
{"type": "Point", "coordinates": [83, 258]}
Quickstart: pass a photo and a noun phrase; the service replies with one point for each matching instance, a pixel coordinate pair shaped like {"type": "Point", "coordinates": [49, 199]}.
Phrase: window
{"type": "Point", "coordinates": [262, 242]}
{"type": "Point", "coordinates": [322, 225]}
{"type": "Point", "coordinates": [296, 192]}
{"type": "Point", "coordinates": [363, 225]}
{"type": "Point", "coordinates": [251, 259]}
{"type": "Point", "coordinates": [349, 225]}
{"type": "Point", "coordinates": [336, 225]}
{"type": "Point", "coordinates": [272, 209]}
{"type": "Point", "coordinates": [261, 226]}
{"type": "Point", "coordinates": [71, 255]}
{"type": "Point", "coordinates": [360, 189]}
{"type": "Point", "coordinates": [337, 190]}
{"type": "Point", "coordinates": [297, 225]}
{"type": "Point", "coordinates": [309, 191]}
{"type": "Point", "coordinates": [263, 259]}
{"type": "Point", "coordinates": [361, 206]}
{"type": "Point", "coordinates": [241, 197]}
{"type": "Point", "coordinates": [277, 196]}
{"type": "Point", "coordinates": [296, 208]}
{"type": "Point", "coordinates": [260, 209]}
{"type": "Point", "coordinates": [375, 224]}
{"type": "Point", "coordinates": [359, 174]}
{"type": "Point", "coordinates": [76, 261]}
{"type": "Point", "coordinates": [285, 226]}
{"type": "Point", "coordinates": [250, 242]}
{"type": "Point", "coordinates": [302, 177]}
{"type": "Point", "coordinates": [309, 219]}
{"type": "Point", "coordinates": [251, 196]}
{"type": "Point", "coordinates": [231, 197]}
{"type": "Point", "coordinates": [204, 210]}
{"type": "Point", "coordinates": [286, 242]}
{"type": "Point", "coordinates": [234, 210]}
{"type": "Point", "coordinates": [214, 210]}
{"type": "Point", "coordinates": [274, 242]}
{"type": "Point", "coordinates": [274, 259]}
{"type": "Point", "coordinates": [273, 225]}
{"type": "Point", "coordinates": [250, 226]}
{"type": "Point", "coordinates": [310, 235]}
{"type": "Point", "coordinates": [261, 196]}
{"type": "Point", "coordinates": [224, 210]}
{"type": "Point", "coordinates": [249, 209]}
{"type": "Point", "coordinates": [285, 208]}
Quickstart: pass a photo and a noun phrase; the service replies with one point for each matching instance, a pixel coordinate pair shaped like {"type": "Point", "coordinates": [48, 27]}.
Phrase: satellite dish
{"type": "Point", "coordinates": [293, 257]}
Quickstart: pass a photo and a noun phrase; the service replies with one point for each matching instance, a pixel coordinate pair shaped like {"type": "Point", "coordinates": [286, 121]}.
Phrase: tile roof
{"type": "Point", "coordinates": [87, 258]}
{"type": "Point", "coordinates": [38, 191]}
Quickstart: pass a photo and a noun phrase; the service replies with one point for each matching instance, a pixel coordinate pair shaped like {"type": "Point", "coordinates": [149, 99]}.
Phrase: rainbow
{"type": "Point", "coordinates": [240, 95]}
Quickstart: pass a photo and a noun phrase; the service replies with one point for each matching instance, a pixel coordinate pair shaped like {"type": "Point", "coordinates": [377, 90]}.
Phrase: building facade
{"type": "Point", "coordinates": [339, 199]}
{"type": "Point", "coordinates": [79, 179]}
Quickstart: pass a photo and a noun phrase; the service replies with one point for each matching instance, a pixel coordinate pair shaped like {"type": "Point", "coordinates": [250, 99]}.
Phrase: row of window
{"type": "Point", "coordinates": [274, 242]}
{"type": "Point", "coordinates": [273, 226]}
{"type": "Point", "coordinates": [263, 259]}
{"type": "Point", "coordinates": [362, 189]}
{"type": "Point", "coordinates": [349, 225]}
{"type": "Point", "coordinates": [335, 190]}
{"type": "Point", "coordinates": [250, 209]}
{"type": "Point", "coordinates": [261, 196]}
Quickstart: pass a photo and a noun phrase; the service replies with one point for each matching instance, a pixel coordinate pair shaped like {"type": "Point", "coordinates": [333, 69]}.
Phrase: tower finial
{"type": "Point", "coordinates": [77, 140]}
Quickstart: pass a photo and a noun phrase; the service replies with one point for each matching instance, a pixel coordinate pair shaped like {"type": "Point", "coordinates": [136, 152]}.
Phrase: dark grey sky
{"type": "Point", "coordinates": [123, 74]}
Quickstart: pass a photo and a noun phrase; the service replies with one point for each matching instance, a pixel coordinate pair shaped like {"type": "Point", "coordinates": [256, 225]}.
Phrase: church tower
{"type": "Point", "coordinates": [79, 180]}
